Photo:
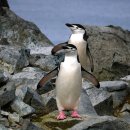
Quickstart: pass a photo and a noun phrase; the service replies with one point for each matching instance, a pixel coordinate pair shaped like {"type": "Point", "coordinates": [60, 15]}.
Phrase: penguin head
{"type": "Point", "coordinates": [76, 28]}
{"type": "Point", "coordinates": [68, 49]}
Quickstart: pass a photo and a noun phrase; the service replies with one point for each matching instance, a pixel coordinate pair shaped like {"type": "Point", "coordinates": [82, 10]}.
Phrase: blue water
{"type": "Point", "coordinates": [51, 15]}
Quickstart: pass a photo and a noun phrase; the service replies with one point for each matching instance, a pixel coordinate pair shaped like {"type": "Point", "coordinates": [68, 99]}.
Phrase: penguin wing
{"type": "Point", "coordinates": [58, 47]}
{"type": "Point", "coordinates": [47, 77]}
{"type": "Point", "coordinates": [90, 77]}
{"type": "Point", "coordinates": [90, 58]}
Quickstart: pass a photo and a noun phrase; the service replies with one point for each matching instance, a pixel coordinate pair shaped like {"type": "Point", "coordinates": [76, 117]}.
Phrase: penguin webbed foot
{"type": "Point", "coordinates": [61, 116]}
{"type": "Point", "coordinates": [75, 114]}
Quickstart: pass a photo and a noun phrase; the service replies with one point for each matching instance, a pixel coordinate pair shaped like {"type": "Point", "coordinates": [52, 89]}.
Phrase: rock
{"type": "Point", "coordinates": [51, 123]}
{"type": "Point", "coordinates": [126, 78]}
{"type": "Point", "coordinates": [119, 97]}
{"type": "Point", "coordinates": [12, 59]}
{"type": "Point", "coordinates": [4, 113]}
{"type": "Point", "coordinates": [33, 99]}
{"type": "Point", "coordinates": [102, 123]}
{"type": "Point", "coordinates": [125, 116]}
{"type": "Point", "coordinates": [45, 62]}
{"type": "Point", "coordinates": [4, 77]}
{"type": "Point", "coordinates": [126, 107]}
{"type": "Point", "coordinates": [4, 121]}
{"type": "Point", "coordinates": [14, 117]}
{"type": "Point", "coordinates": [50, 101]}
{"type": "Point", "coordinates": [21, 108]}
{"type": "Point", "coordinates": [111, 86]}
{"type": "Point", "coordinates": [41, 50]}
{"type": "Point", "coordinates": [29, 77]}
{"type": "Point", "coordinates": [20, 32]}
{"type": "Point", "coordinates": [100, 99]}
{"type": "Point", "coordinates": [2, 127]}
{"type": "Point", "coordinates": [7, 93]}
{"type": "Point", "coordinates": [110, 49]}
{"type": "Point", "coordinates": [27, 125]}
{"type": "Point", "coordinates": [85, 105]}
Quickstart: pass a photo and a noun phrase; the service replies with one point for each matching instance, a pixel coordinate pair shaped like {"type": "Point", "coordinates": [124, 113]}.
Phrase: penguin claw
{"type": "Point", "coordinates": [61, 116]}
{"type": "Point", "coordinates": [75, 114]}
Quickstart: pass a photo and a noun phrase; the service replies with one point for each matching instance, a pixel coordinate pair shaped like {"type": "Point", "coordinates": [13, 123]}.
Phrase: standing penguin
{"type": "Point", "coordinates": [68, 82]}
{"type": "Point", "coordinates": [79, 39]}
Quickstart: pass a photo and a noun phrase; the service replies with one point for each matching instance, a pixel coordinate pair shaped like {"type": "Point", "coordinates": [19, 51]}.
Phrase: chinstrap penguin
{"type": "Point", "coordinates": [68, 82]}
{"type": "Point", "coordinates": [79, 39]}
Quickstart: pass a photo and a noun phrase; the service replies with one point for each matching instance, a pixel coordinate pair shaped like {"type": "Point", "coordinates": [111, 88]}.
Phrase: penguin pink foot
{"type": "Point", "coordinates": [61, 116]}
{"type": "Point", "coordinates": [75, 114]}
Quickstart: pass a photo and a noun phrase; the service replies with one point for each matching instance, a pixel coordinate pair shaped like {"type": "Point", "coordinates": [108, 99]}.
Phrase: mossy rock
{"type": "Point", "coordinates": [51, 123]}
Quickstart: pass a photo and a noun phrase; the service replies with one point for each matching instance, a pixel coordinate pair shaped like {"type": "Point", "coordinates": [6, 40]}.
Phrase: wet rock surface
{"type": "Point", "coordinates": [25, 57]}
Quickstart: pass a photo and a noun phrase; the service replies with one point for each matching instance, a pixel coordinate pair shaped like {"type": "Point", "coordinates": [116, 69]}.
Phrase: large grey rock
{"type": "Point", "coordinates": [102, 123]}
{"type": "Point", "coordinates": [100, 99]}
{"type": "Point", "coordinates": [33, 99]}
{"type": "Point", "coordinates": [4, 77]}
{"type": "Point", "coordinates": [21, 108]}
{"type": "Point", "coordinates": [111, 86]}
{"type": "Point", "coordinates": [85, 105]}
{"type": "Point", "coordinates": [110, 48]}
{"type": "Point", "coordinates": [27, 125]}
{"type": "Point", "coordinates": [12, 59]}
{"type": "Point", "coordinates": [20, 32]}
{"type": "Point", "coordinates": [50, 101]}
{"type": "Point", "coordinates": [45, 62]}
{"type": "Point", "coordinates": [126, 78]}
{"type": "Point", "coordinates": [28, 77]}
{"type": "Point", "coordinates": [7, 93]}
{"type": "Point", "coordinates": [119, 97]}
{"type": "Point", "coordinates": [2, 127]}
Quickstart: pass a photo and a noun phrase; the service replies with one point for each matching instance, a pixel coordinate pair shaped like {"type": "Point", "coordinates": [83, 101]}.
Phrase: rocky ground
{"type": "Point", "coordinates": [25, 58]}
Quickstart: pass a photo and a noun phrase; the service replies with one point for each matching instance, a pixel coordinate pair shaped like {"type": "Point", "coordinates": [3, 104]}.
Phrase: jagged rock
{"type": "Point", "coordinates": [45, 62]}
{"type": "Point", "coordinates": [20, 32]}
{"type": "Point", "coordinates": [21, 108]}
{"type": "Point", "coordinates": [111, 86]}
{"type": "Point", "coordinates": [4, 121]}
{"type": "Point", "coordinates": [100, 99]}
{"type": "Point", "coordinates": [85, 105]}
{"type": "Point", "coordinates": [14, 117]}
{"type": "Point", "coordinates": [41, 50]}
{"type": "Point", "coordinates": [12, 59]}
{"type": "Point", "coordinates": [35, 100]}
{"type": "Point", "coordinates": [126, 78]}
{"type": "Point", "coordinates": [119, 97]}
{"type": "Point", "coordinates": [29, 77]}
{"type": "Point", "coordinates": [102, 123]}
{"type": "Point", "coordinates": [126, 107]}
{"type": "Point", "coordinates": [7, 93]}
{"type": "Point", "coordinates": [50, 101]}
{"type": "Point", "coordinates": [27, 125]}
{"type": "Point", "coordinates": [4, 77]}
{"type": "Point", "coordinates": [2, 127]}
{"type": "Point", "coordinates": [110, 48]}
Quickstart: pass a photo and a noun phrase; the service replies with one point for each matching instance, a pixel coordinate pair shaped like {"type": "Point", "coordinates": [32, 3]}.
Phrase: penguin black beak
{"type": "Point", "coordinates": [69, 25]}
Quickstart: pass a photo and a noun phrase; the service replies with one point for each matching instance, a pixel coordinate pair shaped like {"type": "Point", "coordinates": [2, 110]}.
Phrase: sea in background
{"type": "Point", "coordinates": [51, 15]}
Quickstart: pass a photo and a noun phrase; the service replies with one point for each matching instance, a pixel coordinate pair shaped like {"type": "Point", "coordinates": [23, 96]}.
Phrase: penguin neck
{"type": "Point", "coordinates": [77, 37]}
{"type": "Point", "coordinates": [70, 58]}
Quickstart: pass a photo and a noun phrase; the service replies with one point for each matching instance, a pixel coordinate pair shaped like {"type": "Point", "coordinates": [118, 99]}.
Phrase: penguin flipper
{"type": "Point", "coordinates": [58, 47]}
{"type": "Point", "coordinates": [90, 58]}
{"type": "Point", "coordinates": [47, 77]}
{"type": "Point", "coordinates": [90, 77]}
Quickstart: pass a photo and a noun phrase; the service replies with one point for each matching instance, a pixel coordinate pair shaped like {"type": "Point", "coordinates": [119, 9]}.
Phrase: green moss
{"type": "Point", "coordinates": [51, 123]}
